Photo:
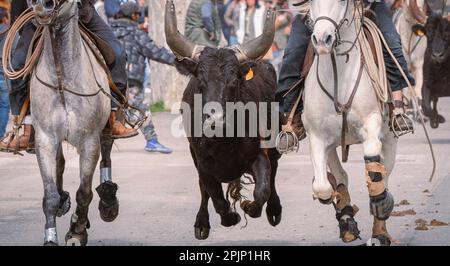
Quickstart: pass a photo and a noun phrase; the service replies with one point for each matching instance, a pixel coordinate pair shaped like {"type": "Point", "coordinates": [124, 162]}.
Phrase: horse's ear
{"type": "Point", "coordinates": [186, 67]}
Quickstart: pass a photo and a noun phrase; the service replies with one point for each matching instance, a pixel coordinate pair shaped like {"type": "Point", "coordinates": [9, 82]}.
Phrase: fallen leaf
{"type": "Point", "coordinates": [421, 227]}
{"type": "Point", "coordinates": [426, 191]}
{"type": "Point", "coordinates": [435, 222]}
{"type": "Point", "coordinates": [403, 202]}
{"type": "Point", "coordinates": [420, 221]}
{"type": "Point", "coordinates": [403, 213]}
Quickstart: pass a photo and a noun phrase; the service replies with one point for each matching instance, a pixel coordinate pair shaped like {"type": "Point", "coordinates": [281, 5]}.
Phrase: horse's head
{"type": "Point", "coordinates": [327, 16]}
{"type": "Point", "coordinates": [53, 12]}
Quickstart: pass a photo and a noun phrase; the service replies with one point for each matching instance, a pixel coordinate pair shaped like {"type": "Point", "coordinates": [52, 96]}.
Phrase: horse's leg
{"type": "Point", "coordinates": [262, 174]}
{"type": "Point", "coordinates": [345, 212]}
{"type": "Point", "coordinates": [381, 200]}
{"type": "Point", "coordinates": [89, 155]}
{"type": "Point", "coordinates": [46, 153]}
{"type": "Point", "coordinates": [108, 204]}
{"type": "Point", "coordinates": [64, 202]}
{"type": "Point", "coordinates": [214, 189]}
{"type": "Point", "coordinates": [321, 186]}
{"type": "Point", "coordinates": [202, 225]}
{"type": "Point", "coordinates": [273, 209]}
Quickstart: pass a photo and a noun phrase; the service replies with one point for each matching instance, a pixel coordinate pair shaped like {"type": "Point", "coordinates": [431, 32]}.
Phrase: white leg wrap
{"type": "Point", "coordinates": [105, 175]}
{"type": "Point", "coordinates": [50, 235]}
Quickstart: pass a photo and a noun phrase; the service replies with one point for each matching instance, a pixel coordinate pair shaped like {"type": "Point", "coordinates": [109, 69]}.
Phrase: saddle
{"type": "Point", "coordinates": [97, 44]}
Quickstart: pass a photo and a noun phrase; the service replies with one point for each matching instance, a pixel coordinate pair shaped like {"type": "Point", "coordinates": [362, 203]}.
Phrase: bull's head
{"type": "Point", "coordinates": [438, 34]}
{"type": "Point", "coordinates": [220, 72]}
{"type": "Point", "coordinates": [49, 12]}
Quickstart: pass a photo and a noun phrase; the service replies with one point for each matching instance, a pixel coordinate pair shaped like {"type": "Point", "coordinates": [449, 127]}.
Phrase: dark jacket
{"type": "Point", "coordinates": [139, 47]}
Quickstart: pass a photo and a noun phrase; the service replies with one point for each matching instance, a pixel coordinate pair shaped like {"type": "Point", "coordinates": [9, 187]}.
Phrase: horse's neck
{"type": "Point", "coordinates": [68, 48]}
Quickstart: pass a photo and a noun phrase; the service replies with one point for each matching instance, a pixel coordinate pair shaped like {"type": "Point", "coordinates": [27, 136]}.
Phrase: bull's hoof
{"type": "Point", "coordinates": [434, 122]}
{"type": "Point", "coordinates": [50, 244]}
{"type": "Point", "coordinates": [251, 208]}
{"type": "Point", "coordinates": [379, 240]}
{"type": "Point", "coordinates": [108, 205]}
{"type": "Point", "coordinates": [64, 204]}
{"type": "Point", "coordinates": [441, 119]}
{"type": "Point", "coordinates": [273, 215]}
{"type": "Point", "coordinates": [230, 219]}
{"type": "Point", "coordinates": [348, 228]}
{"type": "Point", "coordinates": [201, 233]}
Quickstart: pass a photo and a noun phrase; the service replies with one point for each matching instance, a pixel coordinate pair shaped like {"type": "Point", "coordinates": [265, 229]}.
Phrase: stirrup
{"type": "Point", "coordinates": [288, 134]}
{"type": "Point", "coordinates": [406, 121]}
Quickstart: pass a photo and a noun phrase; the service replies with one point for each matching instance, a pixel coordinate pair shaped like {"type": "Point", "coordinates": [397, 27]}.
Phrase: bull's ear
{"type": "Point", "coordinates": [248, 69]}
{"type": "Point", "coordinates": [186, 67]}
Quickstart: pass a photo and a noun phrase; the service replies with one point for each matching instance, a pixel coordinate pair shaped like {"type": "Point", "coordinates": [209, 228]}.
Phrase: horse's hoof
{"type": "Point", "coordinates": [441, 119]}
{"type": "Point", "coordinates": [76, 240]}
{"type": "Point", "coordinates": [230, 219]}
{"type": "Point", "coordinates": [64, 204]}
{"type": "Point", "coordinates": [108, 205]}
{"type": "Point", "coordinates": [201, 233]}
{"type": "Point", "coordinates": [50, 244]}
{"type": "Point", "coordinates": [251, 208]}
{"type": "Point", "coordinates": [108, 213]}
{"type": "Point", "coordinates": [348, 228]}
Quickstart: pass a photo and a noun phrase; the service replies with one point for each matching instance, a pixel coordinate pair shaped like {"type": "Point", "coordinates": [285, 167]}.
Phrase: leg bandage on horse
{"type": "Point", "coordinates": [348, 227]}
{"type": "Point", "coordinates": [381, 201]}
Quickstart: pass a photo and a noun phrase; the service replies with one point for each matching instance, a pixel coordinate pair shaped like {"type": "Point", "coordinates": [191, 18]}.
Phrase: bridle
{"type": "Point", "coordinates": [52, 12]}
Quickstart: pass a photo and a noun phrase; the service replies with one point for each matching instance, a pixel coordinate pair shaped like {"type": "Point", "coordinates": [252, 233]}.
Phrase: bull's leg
{"type": "Point", "coordinates": [273, 209]}
{"type": "Point", "coordinates": [89, 155]}
{"type": "Point", "coordinates": [46, 152]}
{"type": "Point", "coordinates": [214, 189]}
{"type": "Point", "coordinates": [202, 225]}
{"type": "Point", "coordinates": [322, 187]}
{"type": "Point", "coordinates": [434, 120]}
{"type": "Point", "coordinates": [64, 202]}
{"type": "Point", "coordinates": [108, 204]}
{"type": "Point", "coordinates": [381, 200]}
{"type": "Point", "coordinates": [261, 173]}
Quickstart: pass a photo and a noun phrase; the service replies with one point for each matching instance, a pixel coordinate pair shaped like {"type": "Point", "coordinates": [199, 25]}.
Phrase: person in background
{"type": "Point", "coordinates": [222, 6]}
{"type": "Point", "coordinates": [202, 24]}
{"type": "Point", "coordinates": [100, 7]}
{"type": "Point", "coordinates": [139, 48]}
{"type": "Point", "coordinates": [283, 30]}
{"type": "Point", "coordinates": [251, 21]}
{"type": "Point", "coordinates": [231, 19]}
{"type": "Point", "coordinates": [4, 98]}
{"type": "Point", "coordinates": [143, 18]}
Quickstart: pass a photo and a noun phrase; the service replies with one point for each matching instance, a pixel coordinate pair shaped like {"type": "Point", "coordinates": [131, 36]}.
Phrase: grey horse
{"type": "Point", "coordinates": [69, 102]}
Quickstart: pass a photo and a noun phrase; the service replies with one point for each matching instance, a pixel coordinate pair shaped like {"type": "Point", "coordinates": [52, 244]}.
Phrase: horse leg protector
{"type": "Point", "coordinates": [345, 213]}
{"type": "Point", "coordinates": [381, 201]}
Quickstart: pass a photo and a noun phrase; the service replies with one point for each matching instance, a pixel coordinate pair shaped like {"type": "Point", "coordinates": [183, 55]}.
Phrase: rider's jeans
{"type": "Point", "coordinates": [298, 43]}
{"type": "Point", "coordinates": [4, 106]}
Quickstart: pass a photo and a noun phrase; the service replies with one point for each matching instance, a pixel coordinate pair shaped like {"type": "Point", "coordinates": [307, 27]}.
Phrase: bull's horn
{"type": "Point", "coordinates": [179, 45]}
{"type": "Point", "coordinates": [258, 47]}
{"type": "Point", "coordinates": [418, 14]}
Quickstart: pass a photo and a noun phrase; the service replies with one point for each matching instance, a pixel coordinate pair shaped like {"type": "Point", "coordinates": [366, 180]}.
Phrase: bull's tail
{"type": "Point", "coordinates": [234, 189]}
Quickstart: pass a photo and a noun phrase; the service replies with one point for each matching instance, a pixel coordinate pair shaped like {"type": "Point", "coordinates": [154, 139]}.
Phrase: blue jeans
{"type": "Point", "coordinates": [4, 106]}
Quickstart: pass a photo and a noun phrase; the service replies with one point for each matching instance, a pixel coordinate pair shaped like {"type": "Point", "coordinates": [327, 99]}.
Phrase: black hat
{"type": "Point", "coordinates": [129, 8]}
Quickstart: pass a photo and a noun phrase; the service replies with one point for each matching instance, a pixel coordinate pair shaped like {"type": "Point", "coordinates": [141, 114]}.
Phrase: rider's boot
{"type": "Point", "coordinates": [21, 142]}
{"type": "Point", "coordinates": [117, 130]}
{"type": "Point", "coordinates": [401, 123]}
{"type": "Point", "coordinates": [290, 136]}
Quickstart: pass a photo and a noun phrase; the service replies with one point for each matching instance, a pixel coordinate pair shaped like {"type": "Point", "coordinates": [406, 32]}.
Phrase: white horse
{"type": "Point", "coordinates": [409, 21]}
{"type": "Point", "coordinates": [366, 123]}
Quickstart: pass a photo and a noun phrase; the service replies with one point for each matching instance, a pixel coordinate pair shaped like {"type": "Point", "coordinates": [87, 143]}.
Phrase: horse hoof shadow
{"type": "Point", "coordinates": [201, 233]}
{"type": "Point", "coordinates": [230, 219]}
{"type": "Point", "coordinates": [64, 204]}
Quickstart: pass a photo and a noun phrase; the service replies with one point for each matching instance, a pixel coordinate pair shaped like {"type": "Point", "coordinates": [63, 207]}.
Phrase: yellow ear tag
{"type": "Point", "coordinates": [420, 33]}
{"type": "Point", "coordinates": [249, 75]}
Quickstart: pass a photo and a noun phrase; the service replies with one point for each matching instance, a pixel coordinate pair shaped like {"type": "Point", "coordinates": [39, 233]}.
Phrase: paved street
{"type": "Point", "coordinates": [159, 197]}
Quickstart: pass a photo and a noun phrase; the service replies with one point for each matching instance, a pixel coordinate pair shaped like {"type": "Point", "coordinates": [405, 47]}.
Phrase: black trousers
{"type": "Point", "coordinates": [19, 87]}
{"type": "Point", "coordinates": [299, 39]}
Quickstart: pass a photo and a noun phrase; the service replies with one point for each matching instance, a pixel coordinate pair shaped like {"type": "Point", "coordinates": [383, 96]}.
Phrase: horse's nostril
{"type": "Point", "coordinates": [329, 40]}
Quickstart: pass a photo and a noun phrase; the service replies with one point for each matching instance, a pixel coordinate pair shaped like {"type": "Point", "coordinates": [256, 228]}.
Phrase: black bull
{"type": "Point", "coordinates": [219, 76]}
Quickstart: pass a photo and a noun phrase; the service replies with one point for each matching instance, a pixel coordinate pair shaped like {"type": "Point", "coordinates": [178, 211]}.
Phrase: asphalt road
{"type": "Point", "coordinates": [159, 197]}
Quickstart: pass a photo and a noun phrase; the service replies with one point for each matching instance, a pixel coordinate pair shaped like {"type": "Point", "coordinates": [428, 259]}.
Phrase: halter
{"type": "Point", "coordinates": [53, 12]}
{"type": "Point", "coordinates": [337, 26]}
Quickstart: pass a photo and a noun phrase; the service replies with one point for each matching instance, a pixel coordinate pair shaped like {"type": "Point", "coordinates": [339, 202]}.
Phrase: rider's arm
{"type": "Point", "coordinates": [17, 7]}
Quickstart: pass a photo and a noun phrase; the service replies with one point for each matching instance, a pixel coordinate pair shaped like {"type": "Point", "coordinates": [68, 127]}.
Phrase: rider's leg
{"type": "Point", "coordinates": [18, 93]}
{"type": "Point", "coordinates": [290, 73]}
{"type": "Point", "coordinates": [117, 68]}
{"type": "Point", "coordinates": [396, 80]}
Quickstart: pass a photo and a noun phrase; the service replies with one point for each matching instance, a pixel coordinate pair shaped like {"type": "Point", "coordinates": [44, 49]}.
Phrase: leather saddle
{"type": "Point", "coordinates": [97, 44]}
